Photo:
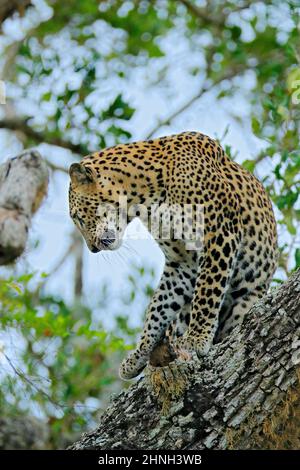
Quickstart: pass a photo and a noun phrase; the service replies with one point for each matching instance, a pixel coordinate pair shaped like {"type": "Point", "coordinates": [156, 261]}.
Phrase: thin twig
{"type": "Point", "coordinates": [22, 376]}
{"type": "Point", "coordinates": [199, 94]}
{"type": "Point", "coordinates": [215, 18]}
{"type": "Point", "coordinates": [202, 14]}
{"type": "Point", "coordinates": [41, 391]}
{"type": "Point", "coordinates": [62, 260]}
{"type": "Point", "coordinates": [55, 167]}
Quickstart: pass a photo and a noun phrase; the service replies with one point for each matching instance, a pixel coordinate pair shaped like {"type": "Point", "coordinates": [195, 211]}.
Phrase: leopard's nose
{"type": "Point", "coordinates": [94, 249]}
{"type": "Point", "coordinates": [107, 241]}
{"type": "Point", "coordinates": [108, 238]}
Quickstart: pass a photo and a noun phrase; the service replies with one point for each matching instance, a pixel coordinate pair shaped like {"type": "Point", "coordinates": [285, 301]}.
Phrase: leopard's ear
{"type": "Point", "coordinates": [81, 174]}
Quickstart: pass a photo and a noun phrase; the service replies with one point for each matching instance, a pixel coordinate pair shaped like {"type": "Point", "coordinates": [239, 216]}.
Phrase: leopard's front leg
{"type": "Point", "coordinates": [172, 293]}
{"type": "Point", "coordinates": [210, 290]}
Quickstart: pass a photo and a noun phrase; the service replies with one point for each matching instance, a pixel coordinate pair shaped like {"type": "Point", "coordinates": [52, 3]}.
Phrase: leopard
{"type": "Point", "coordinates": [210, 279]}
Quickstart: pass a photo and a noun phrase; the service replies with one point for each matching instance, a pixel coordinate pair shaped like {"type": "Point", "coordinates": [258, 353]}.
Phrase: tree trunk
{"type": "Point", "coordinates": [23, 185]}
{"type": "Point", "coordinates": [244, 394]}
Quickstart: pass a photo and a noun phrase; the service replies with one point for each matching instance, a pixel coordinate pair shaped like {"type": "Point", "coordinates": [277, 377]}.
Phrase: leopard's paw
{"type": "Point", "coordinates": [189, 343]}
{"type": "Point", "coordinates": [132, 366]}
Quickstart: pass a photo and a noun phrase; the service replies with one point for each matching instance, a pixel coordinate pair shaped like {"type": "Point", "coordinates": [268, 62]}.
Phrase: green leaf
{"type": "Point", "coordinates": [256, 126]}
{"type": "Point", "coordinates": [15, 287]}
{"type": "Point", "coordinates": [291, 172]}
{"type": "Point", "coordinates": [47, 96]}
{"type": "Point", "coordinates": [249, 165]}
{"type": "Point", "coordinates": [286, 200]}
{"type": "Point", "coordinates": [297, 258]}
{"type": "Point", "coordinates": [292, 78]}
{"type": "Point", "coordinates": [118, 109]}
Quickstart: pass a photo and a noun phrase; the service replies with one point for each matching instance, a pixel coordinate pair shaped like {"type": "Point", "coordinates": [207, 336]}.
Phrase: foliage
{"type": "Point", "coordinates": [65, 365]}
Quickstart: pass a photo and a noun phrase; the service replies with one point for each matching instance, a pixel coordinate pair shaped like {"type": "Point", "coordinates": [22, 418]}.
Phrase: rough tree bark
{"type": "Point", "coordinates": [245, 394]}
{"type": "Point", "coordinates": [23, 185]}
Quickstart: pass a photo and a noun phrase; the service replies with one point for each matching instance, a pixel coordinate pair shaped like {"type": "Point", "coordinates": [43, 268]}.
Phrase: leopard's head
{"type": "Point", "coordinates": [93, 204]}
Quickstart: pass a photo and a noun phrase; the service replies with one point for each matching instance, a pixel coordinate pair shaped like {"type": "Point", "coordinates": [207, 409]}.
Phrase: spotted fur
{"type": "Point", "coordinates": [203, 293]}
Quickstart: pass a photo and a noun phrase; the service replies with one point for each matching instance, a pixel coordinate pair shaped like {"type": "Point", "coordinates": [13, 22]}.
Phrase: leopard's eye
{"type": "Point", "coordinates": [78, 219]}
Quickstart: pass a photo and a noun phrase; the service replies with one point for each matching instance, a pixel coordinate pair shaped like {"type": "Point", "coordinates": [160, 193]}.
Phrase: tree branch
{"type": "Point", "coordinates": [23, 185]}
{"type": "Point", "coordinates": [75, 249]}
{"type": "Point", "coordinates": [55, 167]}
{"type": "Point", "coordinates": [10, 7]}
{"type": "Point", "coordinates": [21, 125]}
{"type": "Point", "coordinates": [78, 254]}
{"type": "Point", "coordinates": [244, 394]}
{"type": "Point", "coordinates": [202, 14]}
{"type": "Point", "coordinates": [204, 89]}
{"type": "Point", "coordinates": [215, 18]}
